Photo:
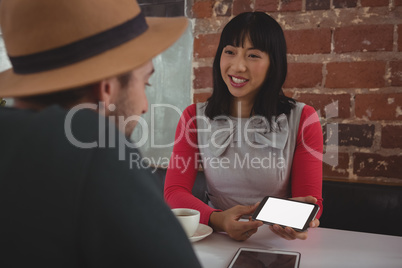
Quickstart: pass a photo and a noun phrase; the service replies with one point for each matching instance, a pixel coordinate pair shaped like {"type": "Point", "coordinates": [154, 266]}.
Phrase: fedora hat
{"type": "Point", "coordinates": [63, 44]}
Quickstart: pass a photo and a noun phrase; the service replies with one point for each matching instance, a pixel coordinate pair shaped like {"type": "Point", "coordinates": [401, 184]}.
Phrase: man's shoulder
{"type": "Point", "coordinates": [53, 128]}
{"type": "Point", "coordinates": [45, 116]}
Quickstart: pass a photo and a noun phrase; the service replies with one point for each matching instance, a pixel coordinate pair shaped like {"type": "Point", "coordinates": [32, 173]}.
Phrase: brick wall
{"type": "Point", "coordinates": [344, 51]}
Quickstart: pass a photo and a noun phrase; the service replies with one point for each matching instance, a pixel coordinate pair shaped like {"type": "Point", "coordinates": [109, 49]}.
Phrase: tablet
{"type": "Point", "coordinates": [255, 258]}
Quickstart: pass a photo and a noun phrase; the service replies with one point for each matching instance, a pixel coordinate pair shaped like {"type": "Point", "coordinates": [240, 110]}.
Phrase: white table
{"type": "Point", "coordinates": [323, 248]}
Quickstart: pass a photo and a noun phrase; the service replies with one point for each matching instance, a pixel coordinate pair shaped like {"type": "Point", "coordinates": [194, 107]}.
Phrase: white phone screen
{"type": "Point", "coordinates": [286, 213]}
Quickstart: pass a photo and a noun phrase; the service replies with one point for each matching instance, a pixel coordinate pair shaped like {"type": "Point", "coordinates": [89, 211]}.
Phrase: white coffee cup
{"type": "Point", "coordinates": [188, 218]}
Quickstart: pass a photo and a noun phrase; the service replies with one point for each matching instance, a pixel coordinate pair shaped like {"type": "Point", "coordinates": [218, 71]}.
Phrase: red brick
{"type": "Point", "coordinates": [391, 136]}
{"type": "Point", "coordinates": [366, 74]}
{"type": "Point", "coordinates": [291, 5]}
{"type": "Point", "coordinates": [374, 165]}
{"type": "Point", "coordinates": [340, 170]}
{"type": "Point", "coordinates": [302, 75]}
{"type": "Point", "coordinates": [203, 9]}
{"type": "Point", "coordinates": [352, 135]}
{"type": "Point", "coordinates": [396, 73]}
{"type": "Point", "coordinates": [318, 4]}
{"type": "Point", "coordinates": [321, 101]}
{"type": "Point", "coordinates": [309, 41]}
{"type": "Point", "coordinates": [266, 5]}
{"type": "Point", "coordinates": [379, 106]}
{"type": "Point", "coordinates": [400, 36]}
{"type": "Point", "coordinates": [240, 6]}
{"type": "Point", "coordinates": [201, 97]}
{"type": "Point", "coordinates": [288, 93]}
{"type": "Point", "coordinates": [203, 77]}
{"type": "Point", "coordinates": [205, 45]}
{"type": "Point", "coordinates": [344, 3]}
{"type": "Point", "coordinates": [398, 2]}
{"type": "Point", "coordinates": [374, 3]}
{"type": "Point", "coordinates": [223, 8]}
{"type": "Point", "coordinates": [364, 38]}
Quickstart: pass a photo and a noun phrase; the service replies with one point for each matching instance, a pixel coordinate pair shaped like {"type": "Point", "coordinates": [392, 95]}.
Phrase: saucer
{"type": "Point", "coordinates": [201, 232]}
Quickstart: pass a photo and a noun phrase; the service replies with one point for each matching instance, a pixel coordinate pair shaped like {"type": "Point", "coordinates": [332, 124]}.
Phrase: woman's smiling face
{"type": "Point", "coordinates": [244, 70]}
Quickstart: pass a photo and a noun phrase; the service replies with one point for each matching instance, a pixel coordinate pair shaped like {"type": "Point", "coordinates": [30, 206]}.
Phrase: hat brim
{"type": "Point", "coordinates": [162, 33]}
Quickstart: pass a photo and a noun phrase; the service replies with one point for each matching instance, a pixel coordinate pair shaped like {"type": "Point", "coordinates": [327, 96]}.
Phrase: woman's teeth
{"type": "Point", "coordinates": [238, 80]}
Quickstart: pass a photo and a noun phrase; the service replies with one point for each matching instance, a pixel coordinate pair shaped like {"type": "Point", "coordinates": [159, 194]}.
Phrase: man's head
{"type": "Point", "coordinates": [127, 101]}
{"type": "Point", "coordinates": [122, 97]}
{"type": "Point", "coordinates": [79, 51]}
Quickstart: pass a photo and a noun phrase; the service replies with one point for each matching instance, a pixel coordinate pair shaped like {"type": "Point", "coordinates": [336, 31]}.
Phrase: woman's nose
{"type": "Point", "coordinates": [239, 64]}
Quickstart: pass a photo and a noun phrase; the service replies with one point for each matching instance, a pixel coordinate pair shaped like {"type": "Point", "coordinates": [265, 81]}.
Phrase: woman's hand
{"type": "Point", "coordinates": [290, 234]}
{"type": "Point", "coordinates": [228, 221]}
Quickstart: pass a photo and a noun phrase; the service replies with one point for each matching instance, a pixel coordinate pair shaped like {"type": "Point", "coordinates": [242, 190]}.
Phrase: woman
{"type": "Point", "coordinates": [250, 138]}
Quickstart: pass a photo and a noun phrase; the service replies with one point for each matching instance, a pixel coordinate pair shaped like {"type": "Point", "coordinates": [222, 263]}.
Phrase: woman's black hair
{"type": "Point", "coordinates": [266, 35]}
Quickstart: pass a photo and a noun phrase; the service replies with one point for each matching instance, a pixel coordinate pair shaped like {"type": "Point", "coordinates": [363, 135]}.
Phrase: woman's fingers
{"type": "Point", "coordinates": [288, 233]}
{"type": "Point", "coordinates": [276, 230]}
{"type": "Point", "coordinates": [307, 199]}
{"type": "Point", "coordinates": [314, 223]}
{"type": "Point", "coordinates": [228, 221]}
{"type": "Point", "coordinates": [242, 230]}
{"type": "Point", "coordinates": [244, 210]}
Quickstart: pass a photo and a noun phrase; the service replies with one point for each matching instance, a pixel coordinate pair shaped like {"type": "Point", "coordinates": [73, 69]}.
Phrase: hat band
{"type": "Point", "coordinates": [80, 50]}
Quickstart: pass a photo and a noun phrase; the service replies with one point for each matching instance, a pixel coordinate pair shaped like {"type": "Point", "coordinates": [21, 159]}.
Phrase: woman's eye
{"type": "Point", "coordinates": [254, 56]}
{"type": "Point", "coordinates": [229, 52]}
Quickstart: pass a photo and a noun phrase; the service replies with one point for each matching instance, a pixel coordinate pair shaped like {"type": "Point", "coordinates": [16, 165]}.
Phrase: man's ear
{"type": "Point", "coordinates": [106, 91]}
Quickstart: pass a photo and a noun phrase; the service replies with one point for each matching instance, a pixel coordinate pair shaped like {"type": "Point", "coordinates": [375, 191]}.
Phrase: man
{"type": "Point", "coordinates": [68, 196]}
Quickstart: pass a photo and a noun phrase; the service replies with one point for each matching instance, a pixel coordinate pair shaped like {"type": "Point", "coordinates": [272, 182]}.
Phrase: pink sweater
{"type": "Point", "coordinates": [306, 176]}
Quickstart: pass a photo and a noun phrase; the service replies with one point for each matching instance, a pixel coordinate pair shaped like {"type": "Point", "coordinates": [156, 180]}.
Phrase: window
{"type": "Point", "coordinates": [170, 92]}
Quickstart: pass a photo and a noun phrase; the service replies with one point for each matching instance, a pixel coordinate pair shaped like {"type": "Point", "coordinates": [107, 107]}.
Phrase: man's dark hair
{"type": "Point", "coordinates": [266, 35]}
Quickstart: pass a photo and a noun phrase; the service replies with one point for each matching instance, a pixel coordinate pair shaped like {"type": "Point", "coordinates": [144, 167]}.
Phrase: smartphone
{"type": "Point", "coordinates": [252, 258]}
{"type": "Point", "coordinates": [285, 212]}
